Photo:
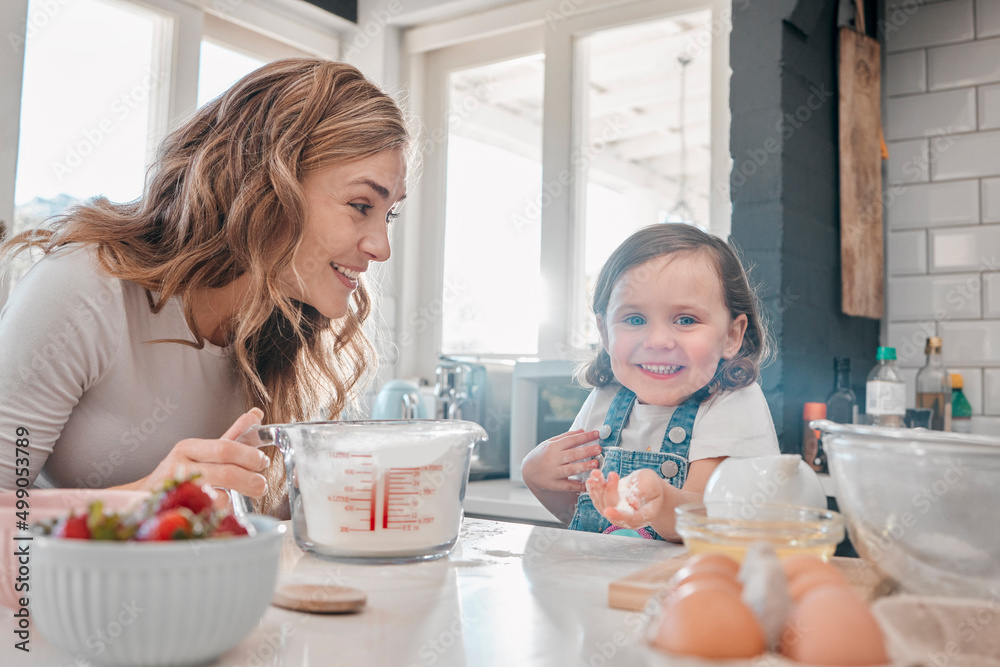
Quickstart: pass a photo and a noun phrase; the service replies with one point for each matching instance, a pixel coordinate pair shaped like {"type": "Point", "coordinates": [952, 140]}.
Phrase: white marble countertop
{"type": "Point", "coordinates": [507, 594]}
{"type": "Point", "coordinates": [508, 500]}
{"type": "Point", "coordinates": [505, 500]}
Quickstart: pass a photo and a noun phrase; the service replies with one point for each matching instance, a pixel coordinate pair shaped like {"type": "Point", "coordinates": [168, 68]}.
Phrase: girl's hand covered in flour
{"type": "Point", "coordinates": [633, 502]}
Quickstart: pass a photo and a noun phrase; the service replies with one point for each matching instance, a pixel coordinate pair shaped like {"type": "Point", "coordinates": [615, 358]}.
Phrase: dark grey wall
{"type": "Point", "coordinates": [785, 193]}
{"type": "Point", "coordinates": [346, 9]}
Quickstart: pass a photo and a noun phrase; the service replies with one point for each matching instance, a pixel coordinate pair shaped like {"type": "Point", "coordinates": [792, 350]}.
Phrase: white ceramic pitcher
{"type": "Point", "coordinates": [783, 479]}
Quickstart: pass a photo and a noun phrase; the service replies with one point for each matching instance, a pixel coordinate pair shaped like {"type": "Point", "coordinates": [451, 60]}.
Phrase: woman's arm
{"type": "Point", "coordinates": [59, 332]}
{"type": "Point", "coordinates": [222, 463]}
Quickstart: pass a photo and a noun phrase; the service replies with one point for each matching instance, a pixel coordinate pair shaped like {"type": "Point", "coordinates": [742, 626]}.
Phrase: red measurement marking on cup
{"type": "Point", "coordinates": [360, 495]}
{"type": "Point", "coordinates": [402, 494]}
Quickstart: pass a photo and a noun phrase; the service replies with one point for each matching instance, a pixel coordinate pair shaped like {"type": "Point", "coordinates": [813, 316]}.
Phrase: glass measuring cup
{"type": "Point", "coordinates": [384, 491]}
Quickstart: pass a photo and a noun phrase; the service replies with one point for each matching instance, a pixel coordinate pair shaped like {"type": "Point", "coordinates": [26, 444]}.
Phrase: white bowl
{"type": "Point", "coordinates": [782, 479]}
{"type": "Point", "coordinates": [43, 505]}
{"type": "Point", "coordinates": [153, 603]}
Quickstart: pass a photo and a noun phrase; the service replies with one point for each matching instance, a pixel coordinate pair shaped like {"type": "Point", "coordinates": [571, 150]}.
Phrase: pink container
{"type": "Point", "coordinates": [44, 504]}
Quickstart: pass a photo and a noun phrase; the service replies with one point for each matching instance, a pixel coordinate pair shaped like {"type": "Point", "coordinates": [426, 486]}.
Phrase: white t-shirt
{"type": "Point", "coordinates": [734, 423]}
{"type": "Point", "coordinates": [102, 405]}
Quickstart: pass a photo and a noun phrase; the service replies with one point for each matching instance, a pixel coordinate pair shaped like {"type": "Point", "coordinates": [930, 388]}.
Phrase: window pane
{"type": "Point", "coordinates": [648, 135]}
{"type": "Point", "coordinates": [92, 81]}
{"type": "Point", "coordinates": [89, 75]}
{"type": "Point", "coordinates": [220, 67]}
{"type": "Point", "coordinates": [492, 233]}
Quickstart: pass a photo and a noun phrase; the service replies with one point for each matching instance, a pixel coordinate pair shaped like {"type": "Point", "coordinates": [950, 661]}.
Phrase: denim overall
{"type": "Point", "coordinates": [670, 463]}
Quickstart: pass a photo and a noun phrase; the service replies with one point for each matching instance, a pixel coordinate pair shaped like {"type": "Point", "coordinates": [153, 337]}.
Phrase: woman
{"type": "Point", "coordinates": [150, 328]}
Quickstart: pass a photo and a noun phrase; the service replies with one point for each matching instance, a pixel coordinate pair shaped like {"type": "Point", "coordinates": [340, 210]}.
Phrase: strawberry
{"type": "Point", "coordinates": [107, 526]}
{"type": "Point", "coordinates": [172, 524]}
{"type": "Point", "coordinates": [229, 525]}
{"type": "Point", "coordinates": [72, 527]}
{"type": "Point", "coordinates": [187, 494]}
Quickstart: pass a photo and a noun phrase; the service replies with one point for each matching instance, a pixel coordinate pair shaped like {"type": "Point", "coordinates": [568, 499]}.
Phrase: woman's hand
{"type": "Point", "coordinates": [549, 466]}
{"type": "Point", "coordinates": [634, 502]}
{"type": "Point", "coordinates": [223, 463]}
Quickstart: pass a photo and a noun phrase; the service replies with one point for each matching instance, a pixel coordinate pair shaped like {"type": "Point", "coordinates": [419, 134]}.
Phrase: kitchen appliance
{"type": "Point", "coordinates": [398, 399]}
{"type": "Point", "coordinates": [387, 491]}
{"type": "Point", "coordinates": [545, 400]}
{"type": "Point", "coordinates": [478, 390]}
{"type": "Point", "coordinates": [458, 390]}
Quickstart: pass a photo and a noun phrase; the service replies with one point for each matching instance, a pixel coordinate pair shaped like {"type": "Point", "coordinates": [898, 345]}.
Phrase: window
{"type": "Point", "coordinates": [99, 59]}
{"type": "Point", "coordinates": [101, 82]}
{"type": "Point", "coordinates": [221, 67]}
{"type": "Point", "coordinates": [599, 121]}
{"type": "Point", "coordinates": [494, 128]}
{"type": "Point", "coordinates": [647, 139]}
{"type": "Point", "coordinates": [229, 52]}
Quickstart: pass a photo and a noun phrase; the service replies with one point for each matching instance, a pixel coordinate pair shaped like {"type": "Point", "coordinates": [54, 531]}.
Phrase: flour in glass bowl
{"type": "Point", "coordinates": [415, 505]}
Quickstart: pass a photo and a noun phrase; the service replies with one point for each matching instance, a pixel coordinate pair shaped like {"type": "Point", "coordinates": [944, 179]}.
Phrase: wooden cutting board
{"type": "Point", "coordinates": [859, 85]}
{"type": "Point", "coordinates": [632, 592]}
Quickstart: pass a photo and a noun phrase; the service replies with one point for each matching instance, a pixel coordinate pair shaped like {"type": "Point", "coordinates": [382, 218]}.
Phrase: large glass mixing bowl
{"type": "Point", "coordinates": [921, 506]}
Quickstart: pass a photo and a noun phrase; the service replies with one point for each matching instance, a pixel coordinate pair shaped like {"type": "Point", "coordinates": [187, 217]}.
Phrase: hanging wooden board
{"type": "Point", "coordinates": [861, 267]}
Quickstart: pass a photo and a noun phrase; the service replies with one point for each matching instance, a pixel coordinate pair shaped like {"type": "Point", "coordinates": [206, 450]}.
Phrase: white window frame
{"type": "Point", "coordinates": [304, 28]}
{"type": "Point", "coordinates": [479, 39]}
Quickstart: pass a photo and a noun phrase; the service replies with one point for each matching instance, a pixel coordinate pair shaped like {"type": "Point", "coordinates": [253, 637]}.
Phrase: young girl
{"type": "Point", "coordinates": [675, 387]}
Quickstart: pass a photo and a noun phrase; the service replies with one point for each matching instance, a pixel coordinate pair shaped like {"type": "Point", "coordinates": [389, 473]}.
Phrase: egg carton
{"type": "Point", "coordinates": [919, 630]}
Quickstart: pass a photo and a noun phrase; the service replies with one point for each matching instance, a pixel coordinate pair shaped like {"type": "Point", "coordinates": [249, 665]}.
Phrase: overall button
{"type": "Point", "coordinates": [605, 432]}
{"type": "Point", "coordinates": [668, 468]}
{"type": "Point", "coordinates": [677, 435]}
{"type": "Point", "coordinates": [600, 460]}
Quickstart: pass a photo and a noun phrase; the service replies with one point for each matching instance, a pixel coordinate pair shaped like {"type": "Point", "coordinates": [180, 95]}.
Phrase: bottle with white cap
{"type": "Point", "coordinates": [885, 391]}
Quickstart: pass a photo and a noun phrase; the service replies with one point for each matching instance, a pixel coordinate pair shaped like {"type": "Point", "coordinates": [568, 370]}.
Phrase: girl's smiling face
{"type": "Point", "coordinates": [667, 327]}
{"type": "Point", "coordinates": [348, 209]}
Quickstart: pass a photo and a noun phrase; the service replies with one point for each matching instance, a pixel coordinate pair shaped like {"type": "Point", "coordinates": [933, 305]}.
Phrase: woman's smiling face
{"type": "Point", "coordinates": [348, 209]}
{"type": "Point", "coordinates": [667, 327]}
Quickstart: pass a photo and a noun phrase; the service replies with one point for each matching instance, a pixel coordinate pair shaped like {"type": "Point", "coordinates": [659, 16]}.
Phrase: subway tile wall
{"type": "Point", "coordinates": [942, 202]}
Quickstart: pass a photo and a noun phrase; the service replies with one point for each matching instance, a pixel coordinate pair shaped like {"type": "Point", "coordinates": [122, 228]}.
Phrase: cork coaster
{"type": "Point", "coordinates": [319, 598]}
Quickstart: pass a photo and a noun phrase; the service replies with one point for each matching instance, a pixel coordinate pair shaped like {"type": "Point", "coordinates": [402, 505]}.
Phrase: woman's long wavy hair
{"type": "Point", "coordinates": [224, 200]}
{"type": "Point", "coordinates": [661, 240]}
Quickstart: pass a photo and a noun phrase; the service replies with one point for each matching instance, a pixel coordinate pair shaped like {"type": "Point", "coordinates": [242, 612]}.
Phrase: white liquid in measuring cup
{"type": "Point", "coordinates": [395, 500]}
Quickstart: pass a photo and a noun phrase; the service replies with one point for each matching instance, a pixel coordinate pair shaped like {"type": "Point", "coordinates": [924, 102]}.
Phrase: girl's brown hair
{"type": "Point", "coordinates": [224, 200]}
{"type": "Point", "coordinates": [666, 239]}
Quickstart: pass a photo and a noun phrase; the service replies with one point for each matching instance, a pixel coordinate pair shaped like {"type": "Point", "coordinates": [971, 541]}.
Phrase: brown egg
{"type": "Point", "coordinates": [687, 575]}
{"type": "Point", "coordinates": [831, 625]}
{"type": "Point", "coordinates": [707, 619]}
{"type": "Point", "coordinates": [713, 560]}
{"type": "Point", "coordinates": [807, 581]}
{"type": "Point", "coordinates": [801, 564]}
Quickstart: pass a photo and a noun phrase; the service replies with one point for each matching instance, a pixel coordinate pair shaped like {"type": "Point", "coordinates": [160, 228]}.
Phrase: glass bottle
{"type": "Point", "coordinates": [961, 409]}
{"type": "Point", "coordinates": [934, 387]}
{"type": "Point", "coordinates": [885, 391]}
{"type": "Point", "coordinates": [842, 404]}
{"type": "Point", "coordinates": [812, 449]}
